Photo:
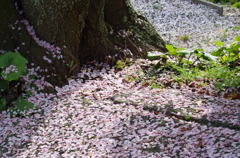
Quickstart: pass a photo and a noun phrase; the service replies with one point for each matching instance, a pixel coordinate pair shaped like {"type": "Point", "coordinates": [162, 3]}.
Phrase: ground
{"type": "Point", "coordinates": [107, 116]}
{"type": "Point", "coordinates": [130, 111]}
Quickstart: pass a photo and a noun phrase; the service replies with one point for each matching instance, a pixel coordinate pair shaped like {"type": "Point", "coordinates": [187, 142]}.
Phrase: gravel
{"type": "Point", "coordinates": [183, 23]}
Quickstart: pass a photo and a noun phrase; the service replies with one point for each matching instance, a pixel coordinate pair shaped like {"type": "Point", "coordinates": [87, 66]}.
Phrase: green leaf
{"type": "Point", "coordinates": [186, 62]}
{"type": "Point", "coordinates": [11, 58]}
{"type": "Point", "coordinates": [171, 49]}
{"type": "Point", "coordinates": [237, 38]}
{"type": "Point", "coordinates": [237, 5]}
{"type": "Point", "coordinates": [234, 48]}
{"type": "Point", "coordinates": [187, 118]}
{"type": "Point", "coordinates": [224, 58]}
{"type": "Point", "coordinates": [22, 106]}
{"type": "Point", "coordinates": [32, 77]}
{"type": "Point", "coordinates": [219, 52]}
{"type": "Point", "coordinates": [15, 59]}
{"type": "Point", "coordinates": [153, 55]}
{"type": "Point", "coordinates": [208, 57]}
{"type": "Point", "coordinates": [200, 50]}
{"type": "Point", "coordinates": [219, 43]}
{"type": "Point", "coordinates": [3, 104]}
{"type": "Point", "coordinates": [3, 85]}
{"type": "Point", "coordinates": [179, 49]}
{"type": "Point", "coordinates": [237, 27]}
{"type": "Point", "coordinates": [184, 52]}
{"type": "Point", "coordinates": [29, 93]}
{"type": "Point", "coordinates": [71, 64]}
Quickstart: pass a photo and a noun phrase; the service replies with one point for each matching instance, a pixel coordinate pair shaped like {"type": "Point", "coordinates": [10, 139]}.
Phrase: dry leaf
{"type": "Point", "coordinates": [184, 128]}
{"type": "Point", "coordinates": [156, 112]}
{"type": "Point", "coordinates": [199, 143]}
{"type": "Point", "coordinates": [159, 90]}
{"type": "Point", "coordinates": [199, 102]}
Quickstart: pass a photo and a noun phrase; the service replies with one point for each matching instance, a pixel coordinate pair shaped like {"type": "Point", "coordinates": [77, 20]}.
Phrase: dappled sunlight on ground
{"type": "Point", "coordinates": [109, 117]}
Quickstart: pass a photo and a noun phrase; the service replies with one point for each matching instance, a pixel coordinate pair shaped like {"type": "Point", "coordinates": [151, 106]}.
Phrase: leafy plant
{"type": "Point", "coordinates": [70, 64]}
{"type": "Point", "coordinates": [187, 118]}
{"type": "Point", "coordinates": [183, 57]}
{"type": "Point", "coordinates": [237, 5]}
{"type": "Point", "coordinates": [22, 105]}
{"type": "Point", "coordinates": [223, 1]}
{"type": "Point", "coordinates": [157, 7]}
{"type": "Point", "coordinates": [222, 76]}
{"type": "Point", "coordinates": [184, 38]}
{"type": "Point", "coordinates": [229, 54]}
{"type": "Point", "coordinates": [223, 36]}
{"type": "Point", "coordinates": [12, 66]}
{"type": "Point", "coordinates": [3, 104]}
{"type": "Point", "coordinates": [120, 64]}
{"type": "Point", "coordinates": [221, 68]}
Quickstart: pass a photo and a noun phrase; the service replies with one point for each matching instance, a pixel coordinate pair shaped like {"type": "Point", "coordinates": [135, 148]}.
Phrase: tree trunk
{"type": "Point", "coordinates": [54, 33]}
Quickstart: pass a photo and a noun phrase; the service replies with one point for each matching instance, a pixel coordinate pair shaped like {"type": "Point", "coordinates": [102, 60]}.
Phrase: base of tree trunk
{"type": "Point", "coordinates": [81, 31]}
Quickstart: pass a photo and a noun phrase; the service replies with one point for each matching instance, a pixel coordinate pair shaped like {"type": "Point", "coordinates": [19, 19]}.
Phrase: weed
{"type": "Point", "coordinates": [121, 64]}
{"type": "Point", "coordinates": [157, 7]}
{"type": "Point", "coordinates": [224, 35]}
{"type": "Point", "coordinates": [184, 38]}
{"type": "Point", "coordinates": [221, 68]}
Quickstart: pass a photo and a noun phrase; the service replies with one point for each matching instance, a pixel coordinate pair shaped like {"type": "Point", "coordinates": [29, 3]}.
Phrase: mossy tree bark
{"type": "Point", "coordinates": [82, 29]}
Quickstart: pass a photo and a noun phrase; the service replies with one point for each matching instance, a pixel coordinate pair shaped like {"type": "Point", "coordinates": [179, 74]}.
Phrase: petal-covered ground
{"type": "Point", "coordinates": [186, 24]}
{"type": "Point", "coordinates": [105, 112]}
{"type": "Point", "coordinates": [109, 117]}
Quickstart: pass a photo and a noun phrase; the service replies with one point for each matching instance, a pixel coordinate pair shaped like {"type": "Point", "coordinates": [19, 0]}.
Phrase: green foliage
{"type": "Point", "coordinates": [223, 1]}
{"type": "Point", "coordinates": [70, 64]}
{"type": "Point", "coordinates": [154, 85]}
{"type": "Point", "coordinates": [3, 104]}
{"type": "Point", "coordinates": [3, 85]}
{"type": "Point", "coordinates": [12, 66]}
{"type": "Point", "coordinates": [237, 5]}
{"type": "Point", "coordinates": [187, 118]}
{"type": "Point", "coordinates": [121, 64]}
{"type": "Point", "coordinates": [237, 27]}
{"type": "Point", "coordinates": [230, 53]}
{"type": "Point", "coordinates": [222, 76]}
{"type": "Point", "coordinates": [183, 57]}
{"type": "Point", "coordinates": [184, 74]}
{"type": "Point", "coordinates": [184, 38]}
{"type": "Point", "coordinates": [157, 7]}
{"type": "Point", "coordinates": [221, 68]}
{"type": "Point", "coordinates": [22, 106]}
